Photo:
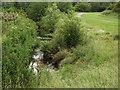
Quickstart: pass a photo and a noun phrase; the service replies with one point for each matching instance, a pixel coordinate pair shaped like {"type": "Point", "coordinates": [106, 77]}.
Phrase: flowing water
{"type": "Point", "coordinates": [37, 63]}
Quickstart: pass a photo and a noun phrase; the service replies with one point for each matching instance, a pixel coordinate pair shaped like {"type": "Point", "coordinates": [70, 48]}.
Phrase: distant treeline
{"type": "Point", "coordinates": [36, 10]}
{"type": "Point", "coordinates": [77, 6]}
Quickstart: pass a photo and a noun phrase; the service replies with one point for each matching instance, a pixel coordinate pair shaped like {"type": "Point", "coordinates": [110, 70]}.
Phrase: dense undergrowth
{"type": "Point", "coordinates": [82, 56]}
{"type": "Point", "coordinates": [19, 36]}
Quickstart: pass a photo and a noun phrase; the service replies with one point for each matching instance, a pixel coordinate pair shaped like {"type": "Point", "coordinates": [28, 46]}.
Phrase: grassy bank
{"type": "Point", "coordinates": [99, 70]}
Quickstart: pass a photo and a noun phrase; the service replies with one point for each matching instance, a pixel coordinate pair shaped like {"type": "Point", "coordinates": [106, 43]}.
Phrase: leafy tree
{"type": "Point", "coordinates": [36, 10]}
{"type": "Point", "coordinates": [99, 6]}
{"type": "Point", "coordinates": [22, 5]}
{"type": "Point", "coordinates": [110, 7]}
{"type": "Point", "coordinates": [64, 6]}
{"type": "Point", "coordinates": [7, 4]}
{"type": "Point", "coordinates": [117, 7]}
{"type": "Point", "coordinates": [48, 22]}
{"type": "Point", "coordinates": [83, 7]}
{"type": "Point", "coordinates": [69, 33]}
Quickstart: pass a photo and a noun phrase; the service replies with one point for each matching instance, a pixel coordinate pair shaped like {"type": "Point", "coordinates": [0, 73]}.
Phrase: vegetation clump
{"type": "Point", "coordinates": [36, 10]}
{"type": "Point", "coordinates": [83, 7]}
{"type": "Point", "coordinates": [67, 6]}
{"type": "Point", "coordinates": [16, 51]}
{"type": "Point", "coordinates": [48, 22]}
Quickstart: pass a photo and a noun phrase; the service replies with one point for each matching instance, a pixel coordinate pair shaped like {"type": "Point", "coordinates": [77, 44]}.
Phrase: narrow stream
{"type": "Point", "coordinates": [38, 63]}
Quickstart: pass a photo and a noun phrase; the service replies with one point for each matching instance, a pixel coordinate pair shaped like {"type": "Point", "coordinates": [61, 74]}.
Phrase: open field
{"type": "Point", "coordinates": [98, 21]}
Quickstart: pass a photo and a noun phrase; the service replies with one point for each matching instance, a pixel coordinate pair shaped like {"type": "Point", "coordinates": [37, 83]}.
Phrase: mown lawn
{"type": "Point", "coordinates": [99, 21]}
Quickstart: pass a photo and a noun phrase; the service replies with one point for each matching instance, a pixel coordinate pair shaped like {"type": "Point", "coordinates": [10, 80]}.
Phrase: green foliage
{"type": "Point", "coordinates": [117, 7]}
{"type": "Point", "coordinates": [49, 35]}
{"type": "Point", "coordinates": [59, 56]}
{"type": "Point", "coordinates": [83, 65]}
{"type": "Point", "coordinates": [18, 5]}
{"type": "Point", "coordinates": [52, 15]}
{"type": "Point", "coordinates": [67, 6]}
{"type": "Point", "coordinates": [79, 54]}
{"type": "Point", "coordinates": [47, 49]}
{"type": "Point", "coordinates": [110, 7]}
{"type": "Point", "coordinates": [106, 12]}
{"type": "Point", "coordinates": [18, 40]}
{"type": "Point", "coordinates": [13, 10]}
{"type": "Point", "coordinates": [7, 4]}
{"type": "Point", "coordinates": [69, 32]}
{"type": "Point", "coordinates": [99, 6]}
{"type": "Point", "coordinates": [109, 13]}
{"type": "Point", "coordinates": [36, 10]}
{"type": "Point", "coordinates": [21, 5]}
{"type": "Point", "coordinates": [83, 7]}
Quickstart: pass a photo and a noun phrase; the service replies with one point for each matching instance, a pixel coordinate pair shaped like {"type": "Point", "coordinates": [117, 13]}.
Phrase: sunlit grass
{"type": "Point", "coordinates": [98, 21]}
{"type": "Point", "coordinates": [102, 69]}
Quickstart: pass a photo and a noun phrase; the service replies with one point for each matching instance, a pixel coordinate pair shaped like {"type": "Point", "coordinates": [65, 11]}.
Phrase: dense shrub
{"type": "Point", "coordinates": [18, 40]}
{"type": "Point", "coordinates": [36, 10]}
{"type": "Point", "coordinates": [14, 10]}
{"type": "Point", "coordinates": [69, 33]}
{"type": "Point", "coordinates": [21, 5]}
{"type": "Point", "coordinates": [47, 49]}
{"type": "Point", "coordinates": [52, 15]}
{"type": "Point", "coordinates": [83, 7]}
{"type": "Point", "coordinates": [67, 6]}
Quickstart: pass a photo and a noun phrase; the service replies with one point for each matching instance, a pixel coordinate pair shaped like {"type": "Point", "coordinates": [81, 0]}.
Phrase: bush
{"type": "Point", "coordinates": [47, 23]}
{"type": "Point", "coordinates": [47, 49]}
{"type": "Point", "coordinates": [67, 6]}
{"type": "Point", "coordinates": [36, 10]}
{"type": "Point", "coordinates": [83, 7]}
{"type": "Point", "coordinates": [69, 34]}
{"type": "Point", "coordinates": [18, 40]}
{"type": "Point", "coordinates": [14, 10]}
{"type": "Point", "coordinates": [21, 5]}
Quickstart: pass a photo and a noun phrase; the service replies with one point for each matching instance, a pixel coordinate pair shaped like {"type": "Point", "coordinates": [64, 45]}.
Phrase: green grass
{"type": "Point", "coordinates": [102, 69]}
{"type": "Point", "coordinates": [98, 21]}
